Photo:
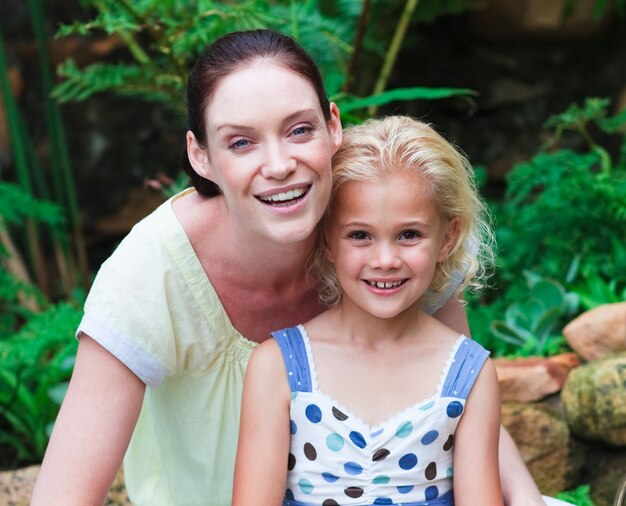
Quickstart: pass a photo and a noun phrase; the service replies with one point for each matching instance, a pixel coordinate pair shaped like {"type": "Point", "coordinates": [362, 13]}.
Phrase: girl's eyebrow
{"type": "Point", "coordinates": [288, 119]}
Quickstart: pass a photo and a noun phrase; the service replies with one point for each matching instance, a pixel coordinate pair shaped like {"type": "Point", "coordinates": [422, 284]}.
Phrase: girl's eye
{"type": "Point", "coordinates": [239, 143]}
{"type": "Point", "coordinates": [409, 235]}
{"type": "Point", "coordinates": [358, 235]}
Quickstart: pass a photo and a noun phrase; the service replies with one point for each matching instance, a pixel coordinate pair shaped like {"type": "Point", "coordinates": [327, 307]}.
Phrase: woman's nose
{"type": "Point", "coordinates": [279, 162]}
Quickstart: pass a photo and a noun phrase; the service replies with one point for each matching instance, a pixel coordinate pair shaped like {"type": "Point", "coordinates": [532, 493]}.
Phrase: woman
{"type": "Point", "coordinates": [170, 308]}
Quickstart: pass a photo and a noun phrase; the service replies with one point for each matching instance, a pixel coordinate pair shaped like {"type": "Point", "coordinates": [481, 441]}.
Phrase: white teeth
{"type": "Point", "coordinates": [385, 284]}
{"type": "Point", "coordinates": [285, 196]}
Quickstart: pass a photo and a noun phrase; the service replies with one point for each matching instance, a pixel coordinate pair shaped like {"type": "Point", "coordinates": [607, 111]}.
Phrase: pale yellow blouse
{"type": "Point", "coordinates": [153, 307]}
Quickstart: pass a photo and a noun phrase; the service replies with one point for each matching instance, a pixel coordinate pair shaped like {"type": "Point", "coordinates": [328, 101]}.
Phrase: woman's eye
{"type": "Point", "coordinates": [301, 130]}
{"type": "Point", "coordinates": [240, 143]}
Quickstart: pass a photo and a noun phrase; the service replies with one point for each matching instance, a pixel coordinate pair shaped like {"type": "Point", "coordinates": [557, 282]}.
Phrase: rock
{"type": "Point", "coordinates": [594, 400]}
{"type": "Point", "coordinates": [604, 471]}
{"type": "Point", "coordinates": [533, 378]}
{"type": "Point", "coordinates": [552, 456]}
{"type": "Point", "coordinates": [598, 332]}
{"type": "Point", "coordinates": [16, 488]}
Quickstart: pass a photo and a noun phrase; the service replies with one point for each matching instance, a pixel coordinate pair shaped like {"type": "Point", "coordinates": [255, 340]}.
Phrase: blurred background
{"type": "Point", "coordinates": [92, 125]}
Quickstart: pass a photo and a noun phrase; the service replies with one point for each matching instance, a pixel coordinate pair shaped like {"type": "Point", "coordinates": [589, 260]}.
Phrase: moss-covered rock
{"type": "Point", "coordinates": [594, 400]}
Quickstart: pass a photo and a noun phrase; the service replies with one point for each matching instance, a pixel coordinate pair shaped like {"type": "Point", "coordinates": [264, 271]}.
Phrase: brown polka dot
{"type": "Point", "coordinates": [381, 454]}
{"type": "Point", "coordinates": [291, 462]}
{"type": "Point", "coordinates": [339, 415]}
{"type": "Point", "coordinates": [354, 492]}
{"type": "Point", "coordinates": [449, 442]}
{"type": "Point", "coordinates": [330, 502]}
{"type": "Point", "coordinates": [309, 451]}
{"type": "Point", "coordinates": [431, 471]}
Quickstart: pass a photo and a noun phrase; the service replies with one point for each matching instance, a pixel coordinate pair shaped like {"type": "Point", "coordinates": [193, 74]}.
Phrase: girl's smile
{"type": "Point", "coordinates": [385, 239]}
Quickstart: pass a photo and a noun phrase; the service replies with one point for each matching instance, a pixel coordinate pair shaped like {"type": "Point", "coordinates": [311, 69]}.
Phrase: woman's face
{"type": "Point", "coordinates": [269, 150]}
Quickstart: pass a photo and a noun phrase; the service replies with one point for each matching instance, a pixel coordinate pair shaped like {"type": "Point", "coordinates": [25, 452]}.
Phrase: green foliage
{"type": "Point", "coordinates": [564, 204]}
{"type": "Point", "coordinates": [562, 218]}
{"type": "Point", "coordinates": [16, 205]}
{"type": "Point", "coordinates": [164, 38]}
{"type": "Point", "coordinates": [35, 361]}
{"type": "Point", "coordinates": [532, 322]}
{"type": "Point", "coordinates": [579, 496]}
{"type": "Point", "coordinates": [592, 289]}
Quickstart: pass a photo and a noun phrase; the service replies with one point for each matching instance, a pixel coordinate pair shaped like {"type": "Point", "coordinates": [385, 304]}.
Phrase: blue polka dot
{"type": "Point", "coordinates": [289, 495]}
{"type": "Point", "coordinates": [313, 413]}
{"type": "Point", "coordinates": [294, 395]}
{"type": "Point", "coordinates": [404, 429]}
{"type": "Point", "coordinates": [381, 480]}
{"type": "Point", "coordinates": [405, 489]}
{"type": "Point", "coordinates": [330, 478]}
{"type": "Point", "coordinates": [306, 486]}
{"type": "Point", "coordinates": [358, 439]}
{"type": "Point", "coordinates": [334, 442]}
{"type": "Point", "coordinates": [408, 461]}
{"type": "Point", "coordinates": [449, 473]}
{"type": "Point", "coordinates": [454, 409]}
{"type": "Point", "coordinates": [429, 437]}
{"type": "Point", "coordinates": [383, 500]}
{"type": "Point", "coordinates": [426, 407]}
{"type": "Point", "coordinates": [431, 493]}
{"type": "Point", "coordinates": [293, 428]}
{"type": "Point", "coordinates": [377, 433]}
{"type": "Point", "coordinates": [352, 468]}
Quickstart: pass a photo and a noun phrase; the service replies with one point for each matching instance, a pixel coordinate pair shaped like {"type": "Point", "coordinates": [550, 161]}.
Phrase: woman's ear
{"type": "Point", "coordinates": [198, 156]}
{"type": "Point", "coordinates": [449, 239]}
{"type": "Point", "coordinates": [334, 127]}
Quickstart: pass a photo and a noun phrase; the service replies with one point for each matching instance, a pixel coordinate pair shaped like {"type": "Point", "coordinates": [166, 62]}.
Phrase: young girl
{"type": "Point", "coordinates": [374, 401]}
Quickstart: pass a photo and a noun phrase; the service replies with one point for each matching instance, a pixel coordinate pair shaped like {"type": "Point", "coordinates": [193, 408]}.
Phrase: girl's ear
{"type": "Point", "coordinates": [449, 239]}
{"type": "Point", "coordinates": [198, 156]}
{"type": "Point", "coordinates": [327, 250]}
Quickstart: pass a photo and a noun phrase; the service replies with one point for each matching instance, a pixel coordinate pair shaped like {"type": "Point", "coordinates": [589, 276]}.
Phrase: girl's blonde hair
{"type": "Point", "coordinates": [380, 147]}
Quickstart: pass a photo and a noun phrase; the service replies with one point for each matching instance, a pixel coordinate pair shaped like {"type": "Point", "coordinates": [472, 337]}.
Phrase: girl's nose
{"type": "Point", "coordinates": [386, 256]}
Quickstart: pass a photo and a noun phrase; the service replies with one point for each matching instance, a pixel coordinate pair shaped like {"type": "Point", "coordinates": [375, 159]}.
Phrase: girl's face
{"type": "Point", "coordinates": [385, 239]}
{"type": "Point", "coordinates": [269, 150]}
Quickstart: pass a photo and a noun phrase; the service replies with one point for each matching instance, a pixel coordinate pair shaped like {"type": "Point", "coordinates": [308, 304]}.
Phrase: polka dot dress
{"type": "Point", "coordinates": [337, 459]}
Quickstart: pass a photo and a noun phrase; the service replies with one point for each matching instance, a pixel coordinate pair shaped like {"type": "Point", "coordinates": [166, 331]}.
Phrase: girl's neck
{"type": "Point", "coordinates": [374, 332]}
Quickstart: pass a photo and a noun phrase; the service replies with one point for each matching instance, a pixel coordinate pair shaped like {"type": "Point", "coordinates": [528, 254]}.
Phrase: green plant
{"type": "Point", "coordinates": [35, 361]}
{"type": "Point", "coordinates": [593, 290]}
{"type": "Point", "coordinates": [163, 39]}
{"type": "Point", "coordinates": [530, 324]}
{"type": "Point", "coordinates": [563, 204]}
{"type": "Point", "coordinates": [46, 178]}
{"type": "Point", "coordinates": [579, 496]}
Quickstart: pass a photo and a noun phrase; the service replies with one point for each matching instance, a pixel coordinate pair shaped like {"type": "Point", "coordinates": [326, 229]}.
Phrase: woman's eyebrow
{"type": "Point", "coordinates": [288, 119]}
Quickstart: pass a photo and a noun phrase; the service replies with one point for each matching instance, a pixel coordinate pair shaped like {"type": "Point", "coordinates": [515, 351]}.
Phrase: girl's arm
{"type": "Point", "coordinates": [517, 484]}
{"type": "Point", "coordinates": [476, 473]}
{"type": "Point", "coordinates": [261, 465]}
{"type": "Point", "coordinates": [92, 431]}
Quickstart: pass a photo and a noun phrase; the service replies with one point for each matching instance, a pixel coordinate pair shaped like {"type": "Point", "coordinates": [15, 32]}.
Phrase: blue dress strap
{"type": "Point", "coordinates": [291, 344]}
{"type": "Point", "coordinates": [468, 360]}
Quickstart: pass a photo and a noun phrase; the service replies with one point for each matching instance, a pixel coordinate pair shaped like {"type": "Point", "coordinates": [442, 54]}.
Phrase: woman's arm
{"type": "Point", "coordinates": [262, 453]}
{"type": "Point", "coordinates": [92, 431]}
{"type": "Point", "coordinates": [476, 474]}
{"type": "Point", "coordinates": [517, 484]}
